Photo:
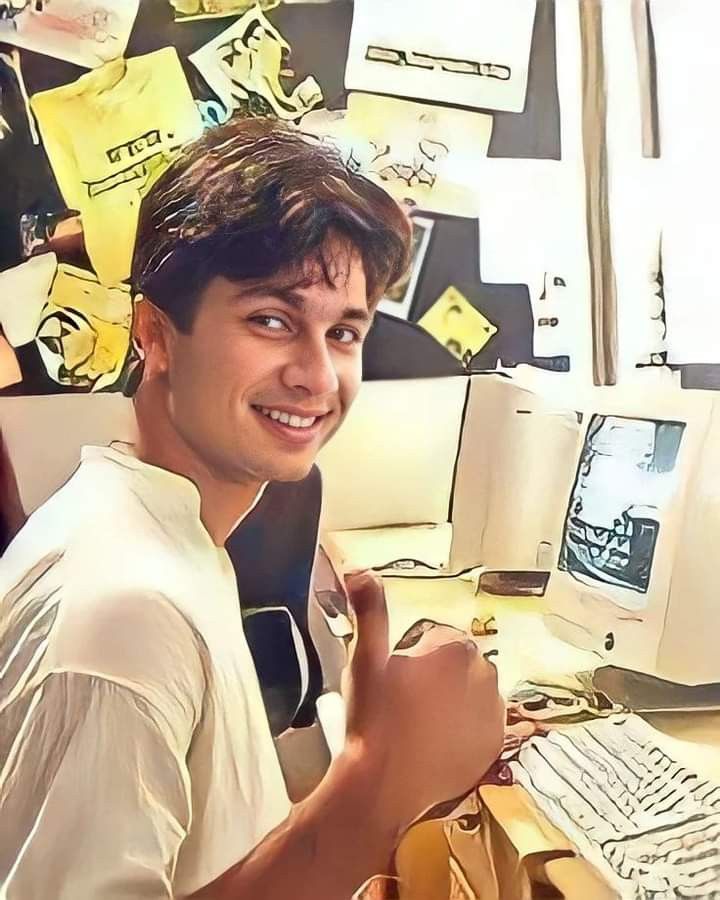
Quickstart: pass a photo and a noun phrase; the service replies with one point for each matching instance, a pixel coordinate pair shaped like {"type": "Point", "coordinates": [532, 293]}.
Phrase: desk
{"type": "Point", "coordinates": [527, 650]}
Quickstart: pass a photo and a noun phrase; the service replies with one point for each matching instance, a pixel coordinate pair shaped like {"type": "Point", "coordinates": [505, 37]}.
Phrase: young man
{"type": "Point", "coordinates": [135, 756]}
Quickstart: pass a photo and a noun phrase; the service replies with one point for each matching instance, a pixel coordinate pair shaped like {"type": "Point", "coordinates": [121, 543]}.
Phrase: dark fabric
{"type": "Point", "coordinates": [273, 552]}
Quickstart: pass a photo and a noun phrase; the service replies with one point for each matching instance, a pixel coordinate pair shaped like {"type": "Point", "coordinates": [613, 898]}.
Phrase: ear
{"type": "Point", "coordinates": [152, 337]}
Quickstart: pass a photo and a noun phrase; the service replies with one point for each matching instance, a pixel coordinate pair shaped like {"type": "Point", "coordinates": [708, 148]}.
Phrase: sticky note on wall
{"type": "Point", "coordinates": [457, 325]}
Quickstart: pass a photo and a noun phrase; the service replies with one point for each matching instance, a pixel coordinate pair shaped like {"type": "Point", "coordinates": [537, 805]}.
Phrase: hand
{"type": "Point", "coordinates": [428, 718]}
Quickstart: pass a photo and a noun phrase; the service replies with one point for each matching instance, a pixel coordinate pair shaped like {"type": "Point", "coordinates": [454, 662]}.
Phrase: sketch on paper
{"type": "Point", "coordinates": [458, 325]}
{"type": "Point", "coordinates": [80, 327]}
{"type": "Point", "coordinates": [625, 479]}
{"type": "Point", "coordinates": [190, 10]}
{"type": "Point", "coordinates": [87, 33]}
{"type": "Point", "coordinates": [425, 156]}
{"type": "Point", "coordinates": [430, 63]}
{"type": "Point", "coordinates": [468, 54]}
{"type": "Point", "coordinates": [398, 299]}
{"type": "Point", "coordinates": [598, 783]}
{"type": "Point", "coordinates": [108, 135]}
{"type": "Point", "coordinates": [244, 66]}
{"type": "Point", "coordinates": [84, 330]}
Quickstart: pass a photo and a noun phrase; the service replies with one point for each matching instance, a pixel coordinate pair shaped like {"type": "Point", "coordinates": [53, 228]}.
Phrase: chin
{"type": "Point", "coordinates": [293, 473]}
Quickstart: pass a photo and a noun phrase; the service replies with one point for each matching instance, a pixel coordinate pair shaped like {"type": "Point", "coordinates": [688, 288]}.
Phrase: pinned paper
{"type": "Point", "coordinates": [188, 10]}
{"type": "Point", "coordinates": [81, 327]}
{"type": "Point", "coordinates": [469, 54]}
{"type": "Point", "coordinates": [244, 64]}
{"type": "Point", "coordinates": [425, 155]}
{"type": "Point", "coordinates": [459, 327]}
{"type": "Point", "coordinates": [87, 33]}
{"type": "Point", "coordinates": [398, 299]}
{"type": "Point", "coordinates": [108, 135]}
{"type": "Point", "coordinates": [84, 331]}
{"type": "Point", "coordinates": [24, 291]}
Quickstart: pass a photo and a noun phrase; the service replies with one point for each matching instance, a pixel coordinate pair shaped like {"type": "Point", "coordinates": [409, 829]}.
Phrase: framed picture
{"type": "Point", "coordinates": [398, 299]}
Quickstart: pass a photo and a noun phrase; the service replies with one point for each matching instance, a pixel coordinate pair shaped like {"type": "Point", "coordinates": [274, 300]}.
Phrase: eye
{"type": "Point", "coordinates": [344, 335]}
{"type": "Point", "coordinates": [272, 323]}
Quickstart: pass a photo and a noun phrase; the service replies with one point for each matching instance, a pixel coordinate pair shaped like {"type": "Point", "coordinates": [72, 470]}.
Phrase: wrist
{"type": "Point", "coordinates": [374, 789]}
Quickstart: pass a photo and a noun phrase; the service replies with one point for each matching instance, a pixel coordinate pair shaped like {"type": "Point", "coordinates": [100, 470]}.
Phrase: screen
{"type": "Point", "coordinates": [625, 479]}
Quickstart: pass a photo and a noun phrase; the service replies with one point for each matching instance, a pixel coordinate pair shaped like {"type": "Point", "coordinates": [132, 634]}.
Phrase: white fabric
{"type": "Point", "coordinates": [136, 759]}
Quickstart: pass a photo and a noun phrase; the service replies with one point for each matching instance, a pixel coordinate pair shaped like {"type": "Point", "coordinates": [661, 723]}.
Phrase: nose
{"type": "Point", "coordinates": [311, 368]}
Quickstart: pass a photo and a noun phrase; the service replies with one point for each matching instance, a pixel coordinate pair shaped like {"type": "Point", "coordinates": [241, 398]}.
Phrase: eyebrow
{"type": "Point", "coordinates": [293, 298]}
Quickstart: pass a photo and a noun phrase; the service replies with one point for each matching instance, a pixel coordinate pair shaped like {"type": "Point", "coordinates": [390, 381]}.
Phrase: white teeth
{"type": "Point", "coordinates": [287, 419]}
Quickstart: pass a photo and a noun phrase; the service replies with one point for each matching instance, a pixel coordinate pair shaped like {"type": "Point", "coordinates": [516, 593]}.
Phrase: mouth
{"type": "Point", "coordinates": [290, 426]}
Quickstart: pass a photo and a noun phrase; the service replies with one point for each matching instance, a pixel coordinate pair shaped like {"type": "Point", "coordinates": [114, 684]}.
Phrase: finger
{"type": "Point", "coordinates": [367, 597]}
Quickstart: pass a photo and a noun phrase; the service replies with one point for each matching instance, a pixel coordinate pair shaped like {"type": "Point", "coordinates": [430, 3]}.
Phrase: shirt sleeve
{"type": "Point", "coordinates": [95, 796]}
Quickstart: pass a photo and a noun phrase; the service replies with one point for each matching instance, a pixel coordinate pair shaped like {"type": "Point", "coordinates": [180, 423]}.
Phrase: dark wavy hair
{"type": "Point", "coordinates": [254, 198]}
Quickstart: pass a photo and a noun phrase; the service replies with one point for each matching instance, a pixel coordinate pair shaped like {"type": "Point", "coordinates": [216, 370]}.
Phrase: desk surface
{"type": "Point", "coordinates": [527, 650]}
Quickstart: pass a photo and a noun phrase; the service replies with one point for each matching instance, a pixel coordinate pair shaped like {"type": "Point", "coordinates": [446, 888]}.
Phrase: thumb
{"type": "Point", "coordinates": [367, 598]}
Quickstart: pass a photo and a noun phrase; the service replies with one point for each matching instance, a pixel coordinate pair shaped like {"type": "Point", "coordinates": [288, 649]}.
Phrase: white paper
{"type": "Point", "coordinates": [84, 32]}
{"type": "Point", "coordinates": [532, 232]}
{"type": "Point", "coordinates": [465, 53]}
{"type": "Point", "coordinates": [426, 155]}
{"type": "Point", "coordinates": [688, 74]}
{"type": "Point", "coordinates": [246, 60]}
{"type": "Point", "coordinates": [532, 223]}
{"type": "Point", "coordinates": [24, 291]}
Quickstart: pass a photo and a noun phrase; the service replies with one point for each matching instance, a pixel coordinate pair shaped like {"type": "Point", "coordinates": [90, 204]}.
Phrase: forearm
{"type": "Point", "coordinates": [331, 843]}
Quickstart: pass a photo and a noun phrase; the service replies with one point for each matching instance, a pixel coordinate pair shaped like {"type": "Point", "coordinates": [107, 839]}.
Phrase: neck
{"type": "Point", "coordinates": [222, 503]}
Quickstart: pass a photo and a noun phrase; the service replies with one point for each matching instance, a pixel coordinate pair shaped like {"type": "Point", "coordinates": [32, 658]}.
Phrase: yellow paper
{"type": "Point", "coordinates": [459, 327]}
{"type": "Point", "coordinates": [187, 10]}
{"type": "Point", "coordinates": [107, 135]}
{"type": "Point", "coordinates": [84, 331]}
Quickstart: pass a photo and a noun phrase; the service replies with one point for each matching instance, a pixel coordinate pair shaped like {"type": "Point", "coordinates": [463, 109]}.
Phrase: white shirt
{"type": "Point", "coordinates": [135, 755]}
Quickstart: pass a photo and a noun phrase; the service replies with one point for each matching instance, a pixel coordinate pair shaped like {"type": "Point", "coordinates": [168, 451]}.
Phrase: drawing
{"type": "Point", "coordinates": [458, 325]}
{"type": "Point", "coordinates": [244, 65]}
{"type": "Point", "coordinates": [108, 135]}
{"type": "Point", "coordinates": [611, 532]}
{"type": "Point", "coordinates": [81, 327]}
{"type": "Point", "coordinates": [425, 156]}
{"type": "Point", "coordinates": [189, 10]}
{"type": "Point", "coordinates": [398, 299]}
{"type": "Point", "coordinates": [468, 54]}
{"type": "Point", "coordinates": [84, 330]}
{"type": "Point", "coordinates": [431, 63]}
{"type": "Point", "coordinates": [87, 33]}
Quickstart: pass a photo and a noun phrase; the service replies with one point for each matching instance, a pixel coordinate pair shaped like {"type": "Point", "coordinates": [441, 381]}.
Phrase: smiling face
{"type": "Point", "coordinates": [269, 369]}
